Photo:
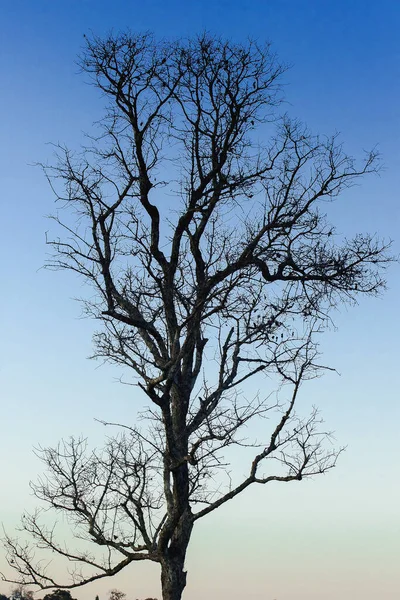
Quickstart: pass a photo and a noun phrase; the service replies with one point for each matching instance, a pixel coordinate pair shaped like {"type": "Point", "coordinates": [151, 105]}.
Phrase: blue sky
{"type": "Point", "coordinates": [334, 537]}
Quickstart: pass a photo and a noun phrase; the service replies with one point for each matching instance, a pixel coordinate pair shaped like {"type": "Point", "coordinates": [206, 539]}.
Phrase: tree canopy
{"type": "Point", "coordinates": [197, 216]}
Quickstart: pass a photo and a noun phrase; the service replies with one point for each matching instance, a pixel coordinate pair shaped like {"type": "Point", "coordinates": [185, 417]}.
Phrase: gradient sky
{"type": "Point", "coordinates": [334, 538]}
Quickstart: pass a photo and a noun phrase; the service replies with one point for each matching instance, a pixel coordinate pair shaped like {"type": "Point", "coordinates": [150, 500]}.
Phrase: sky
{"type": "Point", "coordinates": [330, 538]}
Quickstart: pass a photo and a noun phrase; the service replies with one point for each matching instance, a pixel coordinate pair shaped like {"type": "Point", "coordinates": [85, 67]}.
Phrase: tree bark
{"type": "Point", "coordinates": [173, 578]}
{"type": "Point", "coordinates": [173, 575]}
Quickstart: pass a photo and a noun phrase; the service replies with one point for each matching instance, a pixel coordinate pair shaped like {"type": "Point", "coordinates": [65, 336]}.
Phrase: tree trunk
{"type": "Point", "coordinates": [179, 525]}
{"type": "Point", "coordinates": [173, 578]}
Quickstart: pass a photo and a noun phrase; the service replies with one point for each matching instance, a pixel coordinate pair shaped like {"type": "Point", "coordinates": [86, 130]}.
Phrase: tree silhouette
{"type": "Point", "coordinates": [59, 595]}
{"type": "Point", "coordinates": [115, 594]}
{"type": "Point", "coordinates": [21, 593]}
{"type": "Point", "coordinates": [197, 217]}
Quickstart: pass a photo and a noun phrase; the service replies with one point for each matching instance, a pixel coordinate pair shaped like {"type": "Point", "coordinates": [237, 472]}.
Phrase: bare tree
{"type": "Point", "coordinates": [212, 263]}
